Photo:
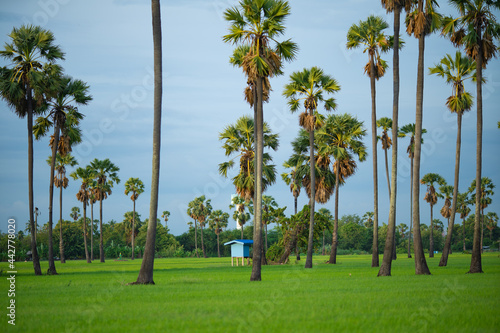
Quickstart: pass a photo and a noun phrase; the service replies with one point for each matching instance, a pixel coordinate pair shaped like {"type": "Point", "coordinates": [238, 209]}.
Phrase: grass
{"type": "Point", "coordinates": [208, 295]}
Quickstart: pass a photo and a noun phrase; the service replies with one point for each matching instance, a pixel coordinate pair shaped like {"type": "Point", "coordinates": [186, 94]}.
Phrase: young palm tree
{"type": "Point", "coordinates": [24, 88]}
{"type": "Point", "coordinates": [369, 35]}
{"type": "Point", "coordinates": [86, 175]}
{"type": "Point", "coordinates": [463, 202]}
{"type": "Point", "coordinates": [487, 192]}
{"type": "Point", "coordinates": [309, 86]}
{"type": "Point", "coordinates": [409, 130]}
{"type": "Point", "coordinates": [136, 187]}
{"type": "Point", "coordinates": [60, 181]}
{"type": "Point", "coordinates": [476, 29]}
{"type": "Point", "coordinates": [420, 22]}
{"type": "Point", "coordinates": [431, 197]}
{"type": "Point", "coordinates": [455, 71]}
{"type": "Point", "coordinates": [239, 139]}
{"type": "Point", "coordinates": [255, 25]}
{"type": "Point", "coordinates": [106, 174]}
{"type": "Point", "coordinates": [165, 216]}
{"type": "Point", "coordinates": [218, 221]}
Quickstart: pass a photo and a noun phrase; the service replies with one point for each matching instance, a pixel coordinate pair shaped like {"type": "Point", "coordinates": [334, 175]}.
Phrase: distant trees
{"type": "Point", "coordinates": [136, 187]}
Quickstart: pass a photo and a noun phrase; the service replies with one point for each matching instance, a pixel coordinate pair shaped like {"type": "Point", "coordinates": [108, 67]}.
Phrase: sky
{"type": "Point", "coordinates": [108, 44]}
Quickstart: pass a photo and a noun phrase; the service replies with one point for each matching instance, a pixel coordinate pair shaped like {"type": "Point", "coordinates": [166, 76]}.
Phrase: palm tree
{"type": "Point", "coordinates": [191, 213]}
{"type": "Point", "coordinates": [369, 34]}
{"type": "Point", "coordinates": [217, 221]}
{"type": "Point", "coordinates": [447, 193]}
{"type": "Point", "coordinates": [292, 180]}
{"type": "Point", "coordinates": [136, 187]}
{"type": "Point", "coordinates": [487, 192]}
{"type": "Point", "coordinates": [491, 222]}
{"type": "Point", "coordinates": [431, 197]}
{"type": "Point", "coordinates": [409, 130]}
{"type": "Point", "coordinates": [92, 201]}
{"type": "Point", "coordinates": [165, 215]}
{"type": "Point", "coordinates": [476, 29]}
{"type": "Point", "coordinates": [241, 216]}
{"type": "Point", "coordinates": [86, 175]}
{"type": "Point", "coordinates": [268, 207]}
{"type": "Point", "coordinates": [455, 71]}
{"type": "Point", "coordinates": [327, 216]}
{"type": "Point", "coordinates": [420, 22]}
{"type": "Point", "coordinates": [385, 123]}
{"type": "Point", "coordinates": [25, 88]}
{"type": "Point", "coordinates": [201, 210]}
{"type": "Point", "coordinates": [254, 25]}
{"type": "Point", "coordinates": [239, 140]}
{"type": "Point", "coordinates": [341, 137]}
{"type": "Point", "coordinates": [463, 202]}
{"type": "Point", "coordinates": [106, 174]}
{"type": "Point", "coordinates": [60, 181]}
{"type": "Point", "coordinates": [310, 86]}
{"type": "Point", "coordinates": [75, 213]}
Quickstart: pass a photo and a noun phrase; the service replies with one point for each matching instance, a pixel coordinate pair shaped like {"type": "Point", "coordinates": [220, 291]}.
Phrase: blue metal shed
{"type": "Point", "coordinates": [240, 248]}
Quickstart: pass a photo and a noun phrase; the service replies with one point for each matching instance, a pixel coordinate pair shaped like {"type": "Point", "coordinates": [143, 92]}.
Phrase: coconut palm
{"type": "Point", "coordinates": [217, 221]}
{"type": "Point", "coordinates": [341, 137]}
{"type": "Point", "coordinates": [239, 140]}
{"type": "Point", "coordinates": [255, 25]}
{"type": "Point", "coordinates": [136, 187]}
{"type": "Point", "coordinates": [106, 175]}
{"type": "Point", "coordinates": [476, 29]}
{"type": "Point", "coordinates": [487, 192]}
{"type": "Point", "coordinates": [370, 36]}
{"type": "Point", "coordinates": [463, 202]}
{"type": "Point", "coordinates": [431, 197]}
{"type": "Point", "coordinates": [241, 216]}
{"type": "Point", "coordinates": [26, 86]}
{"type": "Point", "coordinates": [455, 70]}
{"type": "Point", "coordinates": [409, 130]}
{"type": "Point", "coordinates": [165, 215]}
{"type": "Point", "coordinates": [61, 182]}
{"type": "Point", "coordinates": [86, 175]}
{"type": "Point", "coordinates": [310, 87]}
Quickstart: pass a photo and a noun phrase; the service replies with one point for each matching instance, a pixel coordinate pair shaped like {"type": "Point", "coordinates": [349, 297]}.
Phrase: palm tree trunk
{"type": "Point", "coordinates": [101, 246]}
{"type": "Point", "coordinates": [61, 243]}
{"type": "Point", "coordinates": [431, 235]}
{"type": "Point", "coordinates": [451, 219]}
{"type": "Point", "coordinates": [323, 246]}
{"type": "Point", "coordinates": [375, 259]}
{"type": "Point", "coordinates": [218, 245]}
{"type": "Point", "coordinates": [133, 231]}
{"type": "Point", "coordinates": [421, 267]}
{"type": "Point", "coordinates": [241, 231]}
{"type": "Point", "coordinates": [259, 153]}
{"type": "Point", "coordinates": [91, 231]}
{"type": "Point", "coordinates": [333, 251]}
{"type": "Point", "coordinates": [297, 250]}
{"type": "Point", "coordinates": [463, 234]}
{"type": "Point", "coordinates": [34, 251]}
{"type": "Point", "coordinates": [265, 228]}
{"type": "Point", "coordinates": [387, 172]}
{"type": "Point", "coordinates": [311, 200]}
{"type": "Point", "coordinates": [146, 272]}
{"type": "Point", "coordinates": [52, 266]}
{"type": "Point", "coordinates": [482, 228]}
{"type": "Point", "coordinates": [411, 207]}
{"type": "Point", "coordinates": [202, 245]}
{"type": "Point", "coordinates": [196, 238]}
{"type": "Point", "coordinates": [85, 232]}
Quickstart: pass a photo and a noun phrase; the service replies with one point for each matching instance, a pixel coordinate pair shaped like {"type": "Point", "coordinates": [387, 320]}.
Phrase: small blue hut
{"type": "Point", "coordinates": [240, 248]}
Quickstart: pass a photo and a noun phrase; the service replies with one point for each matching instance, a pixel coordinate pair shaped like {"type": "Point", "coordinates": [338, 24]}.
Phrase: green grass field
{"type": "Point", "coordinates": [208, 295]}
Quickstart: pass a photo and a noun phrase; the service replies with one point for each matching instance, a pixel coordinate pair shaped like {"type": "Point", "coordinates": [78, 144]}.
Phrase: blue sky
{"type": "Point", "coordinates": [108, 44]}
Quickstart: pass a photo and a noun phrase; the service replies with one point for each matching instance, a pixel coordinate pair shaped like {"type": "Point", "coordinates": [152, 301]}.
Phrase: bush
{"type": "Point", "coordinates": [275, 252]}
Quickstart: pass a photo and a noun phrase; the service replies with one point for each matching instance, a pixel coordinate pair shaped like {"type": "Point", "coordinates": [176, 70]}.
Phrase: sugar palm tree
{"type": "Point", "coordinates": [463, 202]}
{"type": "Point", "coordinates": [308, 87]}
{"type": "Point", "coordinates": [86, 176]}
{"type": "Point", "coordinates": [455, 70]}
{"type": "Point", "coordinates": [106, 175]}
{"type": "Point", "coordinates": [202, 209]}
{"type": "Point", "coordinates": [476, 29]}
{"type": "Point", "coordinates": [385, 123]}
{"type": "Point", "coordinates": [241, 216]}
{"type": "Point", "coordinates": [61, 182]}
{"type": "Point", "coordinates": [341, 137]}
{"type": "Point", "coordinates": [487, 192]}
{"type": "Point", "coordinates": [255, 25]}
{"type": "Point", "coordinates": [409, 130]}
{"type": "Point", "coordinates": [192, 214]}
{"type": "Point", "coordinates": [491, 222]}
{"type": "Point", "coordinates": [370, 36]}
{"type": "Point", "coordinates": [136, 187]}
{"type": "Point", "coordinates": [239, 140]}
{"type": "Point", "coordinates": [217, 221]}
{"type": "Point", "coordinates": [447, 193]}
{"type": "Point", "coordinates": [268, 207]}
{"type": "Point", "coordinates": [25, 87]}
{"type": "Point", "coordinates": [292, 180]}
{"type": "Point", "coordinates": [165, 215]}
{"type": "Point", "coordinates": [92, 201]}
{"type": "Point", "coordinates": [431, 197]}
{"type": "Point", "coordinates": [75, 213]}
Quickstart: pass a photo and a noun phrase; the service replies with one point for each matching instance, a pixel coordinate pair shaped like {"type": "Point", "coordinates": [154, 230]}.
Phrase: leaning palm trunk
{"type": "Point", "coordinates": [390, 245]}
{"type": "Point", "coordinates": [375, 259]}
{"type": "Point", "coordinates": [421, 267]}
{"type": "Point", "coordinates": [61, 243]}
{"type": "Point", "coordinates": [311, 200]}
{"type": "Point", "coordinates": [451, 219]}
{"type": "Point", "coordinates": [333, 251]}
{"type": "Point", "coordinates": [52, 266]}
{"type": "Point", "coordinates": [146, 272]}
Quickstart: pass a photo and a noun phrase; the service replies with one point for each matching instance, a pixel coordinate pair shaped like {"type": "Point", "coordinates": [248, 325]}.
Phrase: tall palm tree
{"type": "Point", "coordinates": [25, 87]}
{"type": "Point", "coordinates": [192, 213]}
{"type": "Point", "coordinates": [341, 137]}
{"type": "Point", "coordinates": [239, 140]}
{"type": "Point", "coordinates": [455, 71]}
{"type": "Point", "coordinates": [447, 193]}
{"type": "Point", "coordinates": [202, 209]}
{"type": "Point", "coordinates": [92, 201]}
{"type": "Point", "coordinates": [75, 213]}
{"type": "Point", "coordinates": [431, 197]}
{"type": "Point", "coordinates": [409, 130]}
{"type": "Point", "coordinates": [369, 35]}
{"type": "Point", "coordinates": [86, 176]}
{"type": "Point", "coordinates": [61, 182]}
{"type": "Point", "coordinates": [385, 123]}
{"type": "Point", "coordinates": [165, 215]}
{"type": "Point", "coordinates": [218, 221]}
{"type": "Point", "coordinates": [476, 29]}
{"type": "Point", "coordinates": [420, 22]}
{"type": "Point", "coordinates": [487, 192]}
{"type": "Point", "coordinates": [255, 25]}
{"type": "Point", "coordinates": [136, 187]}
{"type": "Point", "coordinates": [292, 180]}
{"type": "Point", "coordinates": [463, 202]}
{"type": "Point", "coordinates": [491, 222]}
{"type": "Point", "coordinates": [395, 7]}
{"type": "Point", "coordinates": [105, 174]}
{"type": "Point", "coordinates": [309, 87]}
